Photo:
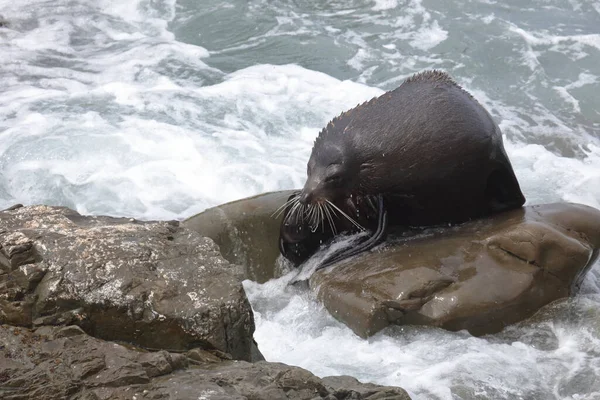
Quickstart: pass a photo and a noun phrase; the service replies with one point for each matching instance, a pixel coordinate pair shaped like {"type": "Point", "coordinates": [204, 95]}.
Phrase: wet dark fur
{"type": "Point", "coordinates": [428, 147]}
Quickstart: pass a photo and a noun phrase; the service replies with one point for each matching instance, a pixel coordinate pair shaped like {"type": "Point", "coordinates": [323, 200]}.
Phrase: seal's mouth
{"type": "Point", "coordinates": [321, 212]}
{"type": "Point", "coordinates": [321, 194]}
{"type": "Point", "coordinates": [299, 237]}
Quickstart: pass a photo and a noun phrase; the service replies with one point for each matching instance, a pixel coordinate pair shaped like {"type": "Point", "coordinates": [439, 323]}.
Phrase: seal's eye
{"type": "Point", "coordinates": [333, 179]}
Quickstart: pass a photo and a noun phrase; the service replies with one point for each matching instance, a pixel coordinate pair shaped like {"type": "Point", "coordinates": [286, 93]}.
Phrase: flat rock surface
{"type": "Point", "coordinates": [479, 276]}
{"type": "Point", "coordinates": [153, 284]}
{"type": "Point", "coordinates": [56, 363]}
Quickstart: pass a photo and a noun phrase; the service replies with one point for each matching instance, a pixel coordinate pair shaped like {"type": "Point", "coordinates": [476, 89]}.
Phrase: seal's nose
{"type": "Point", "coordinates": [305, 197]}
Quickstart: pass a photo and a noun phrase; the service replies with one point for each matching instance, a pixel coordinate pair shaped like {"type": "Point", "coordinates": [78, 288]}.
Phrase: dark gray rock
{"type": "Point", "coordinates": [153, 284]}
{"type": "Point", "coordinates": [268, 381]}
{"type": "Point", "coordinates": [70, 281]}
{"type": "Point", "coordinates": [47, 365]}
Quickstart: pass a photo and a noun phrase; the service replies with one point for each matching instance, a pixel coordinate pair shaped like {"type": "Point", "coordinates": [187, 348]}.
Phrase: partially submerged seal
{"type": "Point", "coordinates": [426, 153]}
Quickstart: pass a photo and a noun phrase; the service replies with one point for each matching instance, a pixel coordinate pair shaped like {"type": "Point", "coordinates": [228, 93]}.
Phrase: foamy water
{"type": "Point", "coordinates": [158, 110]}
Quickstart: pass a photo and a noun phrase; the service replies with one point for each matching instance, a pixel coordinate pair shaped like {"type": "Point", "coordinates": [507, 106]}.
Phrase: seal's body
{"type": "Point", "coordinates": [428, 151]}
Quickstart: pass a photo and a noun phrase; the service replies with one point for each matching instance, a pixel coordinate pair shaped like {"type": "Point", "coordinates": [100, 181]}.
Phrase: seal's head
{"type": "Point", "coordinates": [332, 174]}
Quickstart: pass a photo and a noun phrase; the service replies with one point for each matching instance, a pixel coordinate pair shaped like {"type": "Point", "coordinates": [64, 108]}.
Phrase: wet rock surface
{"type": "Point", "coordinates": [111, 308]}
{"type": "Point", "coordinates": [480, 276]}
{"type": "Point", "coordinates": [98, 308]}
{"type": "Point", "coordinates": [63, 362]}
{"type": "Point", "coordinates": [152, 284]}
{"type": "Point", "coordinates": [247, 232]}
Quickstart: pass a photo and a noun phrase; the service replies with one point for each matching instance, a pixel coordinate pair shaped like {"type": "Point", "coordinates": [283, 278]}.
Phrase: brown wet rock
{"type": "Point", "coordinates": [480, 276]}
{"type": "Point", "coordinates": [247, 232]}
{"type": "Point", "coordinates": [153, 284]}
{"type": "Point", "coordinates": [50, 366]}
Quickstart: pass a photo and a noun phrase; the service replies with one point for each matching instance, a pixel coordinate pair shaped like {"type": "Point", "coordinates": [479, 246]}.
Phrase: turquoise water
{"type": "Point", "coordinates": [160, 109]}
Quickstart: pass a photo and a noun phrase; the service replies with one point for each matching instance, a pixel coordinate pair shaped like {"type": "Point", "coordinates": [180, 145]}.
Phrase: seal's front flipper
{"type": "Point", "coordinates": [377, 237]}
{"type": "Point", "coordinates": [502, 191]}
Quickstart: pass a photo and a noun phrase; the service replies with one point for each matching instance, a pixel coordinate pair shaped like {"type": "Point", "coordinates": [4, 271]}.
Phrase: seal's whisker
{"type": "Point", "coordinates": [316, 217]}
{"type": "Point", "coordinates": [329, 212]}
{"type": "Point", "coordinates": [309, 213]}
{"type": "Point", "coordinates": [321, 217]}
{"type": "Point", "coordinates": [301, 213]}
{"type": "Point", "coordinates": [356, 224]}
{"type": "Point", "coordinates": [281, 208]}
{"type": "Point", "coordinates": [371, 202]}
{"type": "Point", "coordinates": [313, 218]}
{"type": "Point", "coordinates": [310, 216]}
{"type": "Point", "coordinates": [294, 211]}
{"type": "Point", "coordinates": [330, 218]}
{"type": "Point", "coordinates": [352, 206]}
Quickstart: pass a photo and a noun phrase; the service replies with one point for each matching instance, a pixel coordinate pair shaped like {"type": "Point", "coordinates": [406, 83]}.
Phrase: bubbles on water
{"type": "Point", "coordinates": [144, 127]}
{"type": "Point", "coordinates": [545, 357]}
{"type": "Point", "coordinates": [546, 177]}
{"type": "Point", "coordinates": [384, 5]}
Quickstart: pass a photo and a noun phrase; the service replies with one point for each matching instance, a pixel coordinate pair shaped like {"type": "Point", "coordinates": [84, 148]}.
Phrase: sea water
{"type": "Point", "coordinates": [158, 109]}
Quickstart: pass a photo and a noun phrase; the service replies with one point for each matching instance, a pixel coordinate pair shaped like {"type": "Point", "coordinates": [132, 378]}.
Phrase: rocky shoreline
{"type": "Point", "coordinates": [115, 308]}
{"type": "Point", "coordinates": [66, 363]}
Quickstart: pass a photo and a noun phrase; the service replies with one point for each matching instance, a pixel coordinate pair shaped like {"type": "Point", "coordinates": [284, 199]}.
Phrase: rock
{"type": "Point", "coordinates": [247, 232]}
{"type": "Point", "coordinates": [153, 284]}
{"type": "Point", "coordinates": [347, 387]}
{"type": "Point", "coordinates": [68, 331]}
{"type": "Point", "coordinates": [148, 285]}
{"type": "Point", "coordinates": [50, 366]}
{"type": "Point", "coordinates": [202, 356]}
{"type": "Point", "coordinates": [479, 276]}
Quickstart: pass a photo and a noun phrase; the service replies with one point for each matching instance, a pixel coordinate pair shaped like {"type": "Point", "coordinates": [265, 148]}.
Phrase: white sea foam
{"type": "Point", "coordinates": [538, 39]}
{"type": "Point", "coordinates": [546, 177]}
{"type": "Point", "coordinates": [150, 146]}
{"type": "Point", "coordinates": [249, 134]}
{"type": "Point", "coordinates": [428, 362]}
{"type": "Point", "coordinates": [418, 27]}
{"type": "Point", "coordinates": [384, 5]}
{"type": "Point", "coordinates": [429, 38]}
{"type": "Point", "coordinates": [584, 79]}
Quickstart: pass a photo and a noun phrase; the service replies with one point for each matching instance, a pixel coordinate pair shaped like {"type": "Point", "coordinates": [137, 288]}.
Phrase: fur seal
{"type": "Point", "coordinates": [426, 153]}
